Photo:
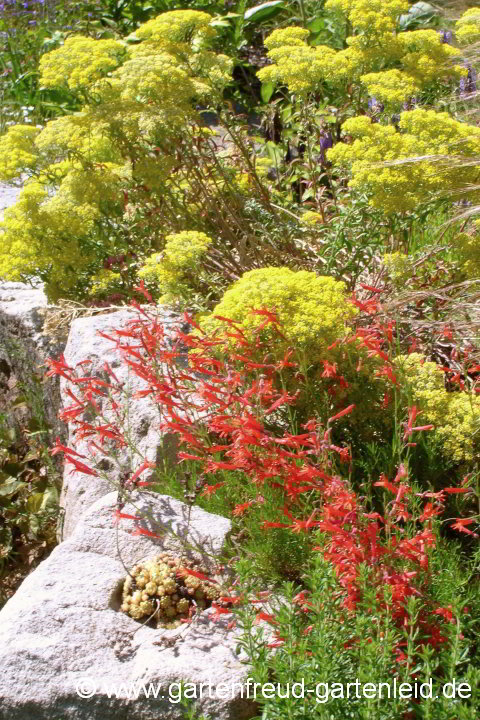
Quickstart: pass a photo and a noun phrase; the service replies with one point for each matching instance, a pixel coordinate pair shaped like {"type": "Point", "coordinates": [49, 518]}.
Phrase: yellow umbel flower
{"type": "Point", "coordinates": [392, 87]}
{"type": "Point", "coordinates": [427, 58]}
{"type": "Point", "coordinates": [80, 61]}
{"type": "Point", "coordinates": [180, 32]}
{"type": "Point", "coordinates": [313, 310]}
{"type": "Point", "coordinates": [467, 250]}
{"type": "Point", "coordinates": [408, 182]}
{"type": "Point", "coordinates": [370, 16]}
{"type": "Point", "coordinates": [169, 271]}
{"type": "Point", "coordinates": [467, 28]}
{"type": "Point", "coordinates": [455, 415]}
{"type": "Point", "coordinates": [17, 151]}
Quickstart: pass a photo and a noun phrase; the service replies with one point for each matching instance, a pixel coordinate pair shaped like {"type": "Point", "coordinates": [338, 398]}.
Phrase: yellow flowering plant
{"type": "Point", "coordinates": [377, 60]}
{"type": "Point", "coordinates": [120, 148]}
{"type": "Point", "coordinates": [175, 272]}
{"type": "Point", "coordinates": [454, 415]}
{"type": "Point", "coordinates": [313, 310]}
{"type": "Point", "coordinates": [400, 170]}
{"type": "Point", "coordinates": [467, 28]}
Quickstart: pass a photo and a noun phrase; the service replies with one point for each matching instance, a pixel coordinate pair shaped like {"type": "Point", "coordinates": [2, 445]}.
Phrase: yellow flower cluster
{"type": "Point", "coordinates": [185, 35]}
{"type": "Point", "coordinates": [17, 151]}
{"type": "Point", "coordinates": [312, 309]}
{"type": "Point", "coordinates": [455, 415]}
{"type": "Point", "coordinates": [405, 183]}
{"type": "Point", "coordinates": [80, 61]}
{"type": "Point", "coordinates": [298, 66]}
{"type": "Point", "coordinates": [370, 16]}
{"type": "Point", "coordinates": [467, 28]}
{"type": "Point", "coordinates": [467, 251]}
{"type": "Point", "coordinates": [373, 55]}
{"type": "Point", "coordinates": [77, 133]}
{"type": "Point", "coordinates": [398, 266]}
{"type": "Point", "coordinates": [426, 58]}
{"type": "Point", "coordinates": [311, 217]}
{"type": "Point", "coordinates": [104, 283]}
{"type": "Point", "coordinates": [169, 270]}
{"type": "Point", "coordinates": [178, 32]}
{"type": "Point", "coordinates": [46, 236]}
{"type": "Point", "coordinates": [390, 86]}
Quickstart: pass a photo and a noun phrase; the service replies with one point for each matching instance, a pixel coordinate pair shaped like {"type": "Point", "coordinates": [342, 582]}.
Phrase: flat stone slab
{"type": "Point", "coordinates": [143, 417]}
{"type": "Point", "coordinates": [62, 634]}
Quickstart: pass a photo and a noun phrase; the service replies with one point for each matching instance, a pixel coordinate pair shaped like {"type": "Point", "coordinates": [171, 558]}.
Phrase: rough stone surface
{"type": "Point", "coordinates": [63, 626]}
{"type": "Point", "coordinates": [8, 196]}
{"type": "Point", "coordinates": [23, 350]}
{"type": "Point", "coordinates": [143, 419]}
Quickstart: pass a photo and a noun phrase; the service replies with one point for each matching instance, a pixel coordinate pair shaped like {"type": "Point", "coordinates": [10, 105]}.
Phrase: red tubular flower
{"type": "Point", "coordinates": [460, 524]}
{"type": "Point", "coordinates": [342, 413]}
{"type": "Point", "coordinates": [211, 489]}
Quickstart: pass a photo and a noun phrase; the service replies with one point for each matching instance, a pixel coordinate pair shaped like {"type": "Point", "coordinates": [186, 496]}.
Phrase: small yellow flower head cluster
{"type": "Point", "coordinates": [405, 184]}
{"type": "Point", "coordinates": [287, 37]}
{"type": "Point", "coordinates": [170, 270]}
{"type": "Point", "coordinates": [152, 172]}
{"type": "Point", "coordinates": [300, 67]}
{"type": "Point", "coordinates": [94, 186]}
{"type": "Point", "coordinates": [467, 28]}
{"type": "Point", "coordinates": [21, 233]}
{"type": "Point", "coordinates": [42, 234]}
{"type": "Point", "coordinates": [467, 250]}
{"type": "Point", "coordinates": [262, 166]}
{"type": "Point", "coordinates": [398, 266]}
{"type": "Point", "coordinates": [370, 16]}
{"type": "Point", "coordinates": [184, 35]}
{"type": "Point", "coordinates": [215, 68]}
{"type": "Point", "coordinates": [17, 151]}
{"type": "Point", "coordinates": [427, 58]}
{"type": "Point", "coordinates": [311, 217]}
{"type": "Point", "coordinates": [123, 142]}
{"type": "Point", "coordinates": [161, 587]}
{"type": "Point", "coordinates": [80, 62]}
{"type": "Point", "coordinates": [179, 32]}
{"type": "Point", "coordinates": [373, 55]}
{"type": "Point", "coordinates": [392, 87]}
{"type": "Point", "coordinates": [157, 79]}
{"type": "Point", "coordinates": [455, 415]}
{"type": "Point", "coordinates": [312, 309]}
{"type": "Point", "coordinates": [104, 283]}
{"type": "Point", "coordinates": [78, 133]}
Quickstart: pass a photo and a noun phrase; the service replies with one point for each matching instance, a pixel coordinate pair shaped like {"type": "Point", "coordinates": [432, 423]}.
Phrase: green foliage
{"type": "Point", "coordinates": [29, 488]}
{"type": "Point", "coordinates": [325, 649]}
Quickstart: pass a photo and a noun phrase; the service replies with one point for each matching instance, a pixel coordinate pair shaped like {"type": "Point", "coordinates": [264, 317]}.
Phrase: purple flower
{"type": "Point", "coordinates": [375, 106]}
{"type": "Point", "coordinates": [468, 85]}
{"type": "Point", "coordinates": [326, 142]}
{"type": "Point", "coordinates": [410, 104]}
{"type": "Point", "coordinates": [446, 36]}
